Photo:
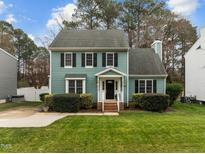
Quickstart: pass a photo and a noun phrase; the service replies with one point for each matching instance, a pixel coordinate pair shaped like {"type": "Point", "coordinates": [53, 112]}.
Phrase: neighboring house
{"type": "Point", "coordinates": [8, 74]}
{"type": "Point", "coordinates": [195, 69]}
{"type": "Point", "coordinates": [100, 62]}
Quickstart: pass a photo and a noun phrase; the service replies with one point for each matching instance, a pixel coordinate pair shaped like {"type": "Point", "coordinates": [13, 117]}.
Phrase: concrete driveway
{"type": "Point", "coordinates": [30, 117]}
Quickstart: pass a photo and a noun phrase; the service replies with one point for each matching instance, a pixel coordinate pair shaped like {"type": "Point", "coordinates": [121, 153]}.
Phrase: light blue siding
{"type": "Point", "coordinates": [160, 85]}
{"type": "Point", "coordinates": [58, 73]}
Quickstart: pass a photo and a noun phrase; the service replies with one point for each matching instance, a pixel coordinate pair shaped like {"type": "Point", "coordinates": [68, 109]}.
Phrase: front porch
{"type": "Point", "coordinates": [110, 90]}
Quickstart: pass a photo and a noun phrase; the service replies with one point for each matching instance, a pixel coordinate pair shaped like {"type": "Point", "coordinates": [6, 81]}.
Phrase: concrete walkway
{"type": "Point", "coordinates": [29, 117]}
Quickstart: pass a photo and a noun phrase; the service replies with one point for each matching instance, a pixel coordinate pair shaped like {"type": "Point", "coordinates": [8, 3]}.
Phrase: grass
{"type": "Point", "coordinates": [7, 106]}
{"type": "Point", "coordinates": [182, 130]}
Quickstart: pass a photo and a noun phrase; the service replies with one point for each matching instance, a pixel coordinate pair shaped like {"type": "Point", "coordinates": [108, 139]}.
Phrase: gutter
{"type": "Point", "coordinates": [132, 75]}
{"type": "Point", "coordinates": [86, 48]}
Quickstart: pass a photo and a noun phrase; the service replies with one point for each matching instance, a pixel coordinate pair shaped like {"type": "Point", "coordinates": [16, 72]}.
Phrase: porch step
{"type": "Point", "coordinates": [110, 107]}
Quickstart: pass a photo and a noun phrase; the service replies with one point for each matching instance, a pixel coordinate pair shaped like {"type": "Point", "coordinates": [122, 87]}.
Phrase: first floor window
{"type": "Point", "coordinates": [144, 86]}
{"type": "Point", "coordinates": [75, 86]}
{"type": "Point", "coordinates": [149, 86]}
{"type": "Point", "coordinates": [68, 59]}
{"type": "Point", "coordinates": [71, 86]}
{"type": "Point", "coordinates": [79, 86]}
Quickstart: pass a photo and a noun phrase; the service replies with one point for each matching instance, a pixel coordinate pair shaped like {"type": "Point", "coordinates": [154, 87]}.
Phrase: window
{"type": "Point", "coordinates": [116, 85]}
{"type": "Point", "coordinates": [149, 86]}
{"type": "Point", "coordinates": [89, 60]}
{"type": "Point", "coordinates": [68, 59]}
{"type": "Point", "coordinates": [142, 86]}
{"type": "Point", "coordinates": [145, 86]}
{"type": "Point", "coordinates": [71, 86]}
{"type": "Point", "coordinates": [79, 86]}
{"type": "Point", "coordinates": [110, 59]}
{"type": "Point", "coordinates": [75, 86]}
{"type": "Point", "coordinates": [103, 85]}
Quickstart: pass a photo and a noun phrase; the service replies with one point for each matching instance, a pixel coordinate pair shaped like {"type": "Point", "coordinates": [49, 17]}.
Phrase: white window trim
{"type": "Point", "coordinates": [146, 85]}
{"type": "Point", "coordinates": [86, 60]}
{"type": "Point", "coordinates": [113, 59]}
{"type": "Point", "coordinates": [71, 60]}
{"type": "Point", "coordinates": [67, 84]}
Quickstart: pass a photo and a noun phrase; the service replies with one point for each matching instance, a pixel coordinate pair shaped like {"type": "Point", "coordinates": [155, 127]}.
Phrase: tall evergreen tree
{"type": "Point", "coordinates": [109, 12]}
{"type": "Point", "coordinates": [88, 13]}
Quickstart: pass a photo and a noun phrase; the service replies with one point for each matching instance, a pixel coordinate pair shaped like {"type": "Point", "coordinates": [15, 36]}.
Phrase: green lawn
{"type": "Point", "coordinates": [182, 130]}
{"type": "Point", "coordinates": [7, 106]}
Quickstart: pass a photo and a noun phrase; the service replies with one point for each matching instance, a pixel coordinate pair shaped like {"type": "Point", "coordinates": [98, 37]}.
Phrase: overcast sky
{"type": "Point", "coordinates": [36, 17]}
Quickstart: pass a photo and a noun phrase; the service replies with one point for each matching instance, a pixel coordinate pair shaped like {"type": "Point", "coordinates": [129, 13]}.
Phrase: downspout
{"type": "Point", "coordinates": [50, 77]}
{"type": "Point", "coordinates": [128, 77]}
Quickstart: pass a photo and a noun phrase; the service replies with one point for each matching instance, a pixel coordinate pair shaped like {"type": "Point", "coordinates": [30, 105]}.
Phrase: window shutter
{"type": "Point", "coordinates": [74, 59]}
{"type": "Point", "coordinates": [95, 59]}
{"type": "Point", "coordinates": [116, 59]}
{"type": "Point", "coordinates": [62, 60]}
{"type": "Point", "coordinates": [103, 59]}
{"type": "Point", "coordinates": [154, 86]}
{"type": "Point", "coordinates": [136, 86]}
{"type": "Point", "coordinates": [83, 60]}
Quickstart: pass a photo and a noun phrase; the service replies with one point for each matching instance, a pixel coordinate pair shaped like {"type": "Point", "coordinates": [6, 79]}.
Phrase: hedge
{"type": "Point", "coordinates": [154, 102]}
{"type": "Point", "coordinates": [66, 102]}
{"type": "Point", "coordinates": [86, 101]}
{"type": "Point", "coordinates": [42, 96]}
{"type": "Point", "coordinates": [136, 98]}
{"type": "Point", "coordinates": [174, 90]}
{"type": "Point", "coordinates": [49, 102]}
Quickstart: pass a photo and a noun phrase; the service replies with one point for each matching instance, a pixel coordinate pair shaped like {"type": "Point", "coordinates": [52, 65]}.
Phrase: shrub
{"type": "Point", "coordinates": [66, 102]}
{"type": "Point", "coordinates": [154, 102]}
{"type": "Point", "coordinates": [42, 96]}
{"type": "Point", "coordinates": [86, 101]}
{"type": "Point", "coordinates": [49, 101]}
{"type": "Point", "coordinates": [132, 105]}
{"type": "Point", "coordinates": [174, 90]}
{"type": "Point", "coordinates": [136, 98]}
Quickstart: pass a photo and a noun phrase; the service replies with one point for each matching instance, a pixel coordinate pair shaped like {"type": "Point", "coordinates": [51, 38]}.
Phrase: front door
{"type": "Point", "coordinates": [110, 89]}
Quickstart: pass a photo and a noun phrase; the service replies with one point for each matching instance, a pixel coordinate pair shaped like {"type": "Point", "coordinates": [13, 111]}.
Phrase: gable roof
{"type": "Point", "coordinates": [10, 55]}
{"type": "Point", "coordinates": [110, 69]}
{"type": "Point", "coordinates": [144, 61]}
{"type": "Point", "coordinates": [90, 39]}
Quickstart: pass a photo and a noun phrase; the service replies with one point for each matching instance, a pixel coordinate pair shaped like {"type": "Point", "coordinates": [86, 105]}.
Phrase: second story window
{"type": "Point", "coordinates": [68, 59]}
{"type": "Point", "coordinates": [89, 59]}
{"type": "Point", "coordinates": [110, 59]}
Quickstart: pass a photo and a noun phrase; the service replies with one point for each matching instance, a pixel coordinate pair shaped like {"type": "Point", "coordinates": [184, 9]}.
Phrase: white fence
{"type": "Point", "coordinates": [32, 94]}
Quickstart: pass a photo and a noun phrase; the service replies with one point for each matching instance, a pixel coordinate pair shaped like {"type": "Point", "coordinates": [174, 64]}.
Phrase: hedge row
{"type": "Point", "coordinates": [68, 102]}
{"type": "Point", "coordinates": [152, 102]}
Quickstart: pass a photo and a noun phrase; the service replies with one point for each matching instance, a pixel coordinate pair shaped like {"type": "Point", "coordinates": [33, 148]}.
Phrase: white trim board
{"type": "Point", "coordinates": [87, 48]}
{"type": "Point", "coordinates": [8, 54]}
{"type": "Point", "coordinates": [148, 75]}
{"type": "Point", "coordinates": [110, 69]}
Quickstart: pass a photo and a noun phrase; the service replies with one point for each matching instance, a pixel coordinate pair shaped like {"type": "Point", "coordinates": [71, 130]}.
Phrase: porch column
{"type": "Point", "coordinates": [98, 89]}
{"type": "Point", "coordinates": [123, 88]}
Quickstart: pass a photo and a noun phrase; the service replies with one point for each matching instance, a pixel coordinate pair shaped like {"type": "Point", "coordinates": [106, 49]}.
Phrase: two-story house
{"type": "Point", "coordinates": [100, 62]}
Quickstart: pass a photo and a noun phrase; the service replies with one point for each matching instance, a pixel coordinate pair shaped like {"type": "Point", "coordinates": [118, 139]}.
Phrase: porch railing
{"type": "Point", "coordinates": [103, 101]}
{"type": "Point", "coordinates": [118, 102]}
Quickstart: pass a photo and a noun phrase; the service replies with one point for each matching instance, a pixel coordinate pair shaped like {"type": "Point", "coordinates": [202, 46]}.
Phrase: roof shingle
{"type": "Point", "coordinates": [93, 39]}
{"type": "Point", "coordinates": [144, 61]}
